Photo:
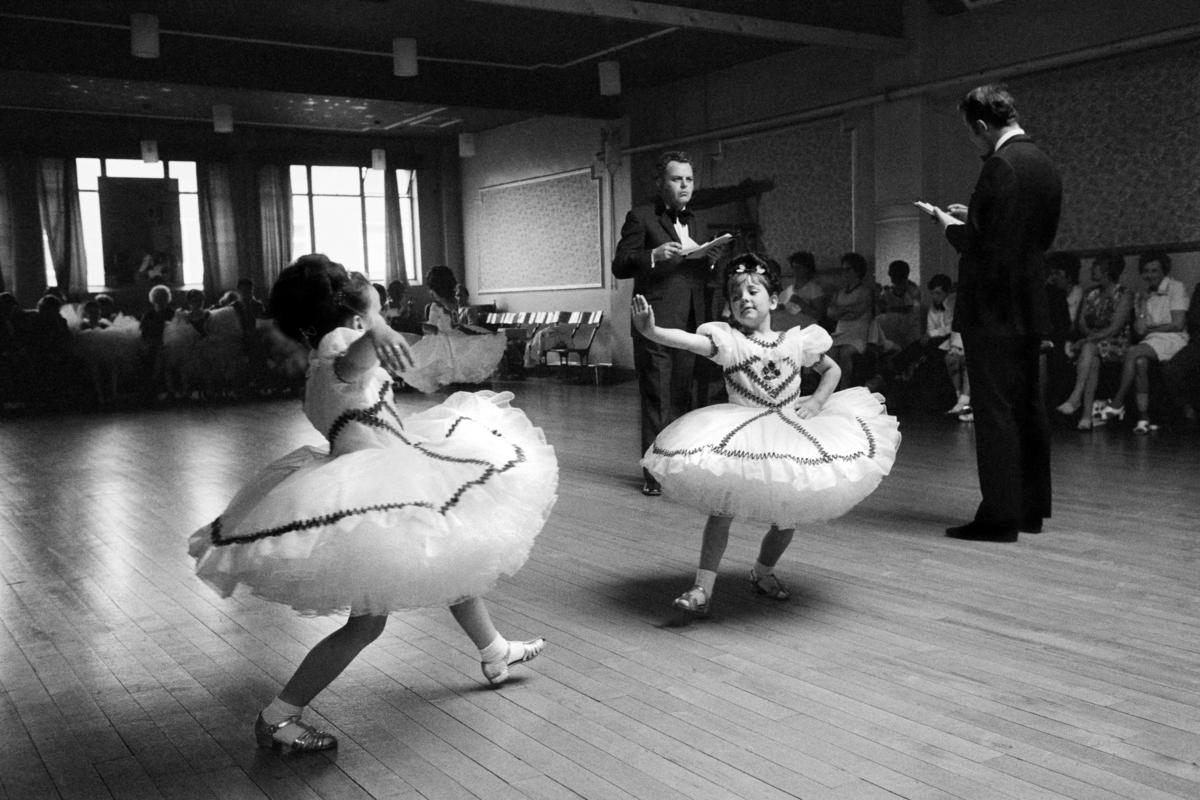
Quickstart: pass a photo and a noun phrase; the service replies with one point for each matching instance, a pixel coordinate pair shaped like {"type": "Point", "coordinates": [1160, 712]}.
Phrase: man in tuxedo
{"type": "Point", "coordinates": [651, 252]}
{"type": "Point", "coordinates": [1002, 313]}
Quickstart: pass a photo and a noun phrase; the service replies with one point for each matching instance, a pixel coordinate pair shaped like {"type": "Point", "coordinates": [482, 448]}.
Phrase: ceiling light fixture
{"type": "Point", "coordinates": [143, 35]}
{"type": "Point", "coordinates": [150, 151]}
{"type": "Point", "coordinates": [378, 159]}
{"type": "Point", "coordinates": [223, 118]}
{"type": "Point", "coordinates": [404, 57]}
{"type": "Point", "coordinates": [610, 77]}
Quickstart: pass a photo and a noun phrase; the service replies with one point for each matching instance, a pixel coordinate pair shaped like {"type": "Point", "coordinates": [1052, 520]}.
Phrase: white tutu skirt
{"type": "Point", "coordinates": [769, 465]}
{"type": "Point", "coordinates": [433, 519]}
{"type": "Point", "coordinates": [115, 348]}
{"type": "Point", "coordinates": [449, 357]}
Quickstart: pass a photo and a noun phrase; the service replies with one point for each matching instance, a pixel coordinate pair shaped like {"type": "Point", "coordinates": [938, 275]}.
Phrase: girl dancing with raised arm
{"type": "Point", "coordinates": [770, 454]}
{"type": "Point", "coordinates": [399, 512]}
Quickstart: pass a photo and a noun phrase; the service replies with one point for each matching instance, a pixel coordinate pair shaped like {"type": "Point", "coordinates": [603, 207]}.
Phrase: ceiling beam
{"type": "Point", "coordinates": [716, 21]}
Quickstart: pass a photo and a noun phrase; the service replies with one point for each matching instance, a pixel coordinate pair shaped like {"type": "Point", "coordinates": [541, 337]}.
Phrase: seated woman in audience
{"type": "Point", "coordinates": [400, 311]}
{"type": "Point", "coordinates": [1104, 333]}
{"type": "Point", "coordinates": [851, 309]}
{"type": "Point", "coordinates": [1159, 321]}
{"type": "Point", "coordinates": [803, 299]}
{"type": "Point", "coordinates": [1062, 272]}
{"type": "Point", "coordinates": [898, 307]}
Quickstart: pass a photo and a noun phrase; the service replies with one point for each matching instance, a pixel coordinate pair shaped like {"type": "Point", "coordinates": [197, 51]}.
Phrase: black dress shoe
{"type": "Point", "coordinates": [1033, 525]}
{"type": "Point", "coordinates": [651, 489]}
{"type": "Point", "coordinates": [977, 532]}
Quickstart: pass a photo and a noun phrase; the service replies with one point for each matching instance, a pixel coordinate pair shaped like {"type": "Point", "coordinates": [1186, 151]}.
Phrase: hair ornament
{"type": "Point", "coordinates": [749, 269]}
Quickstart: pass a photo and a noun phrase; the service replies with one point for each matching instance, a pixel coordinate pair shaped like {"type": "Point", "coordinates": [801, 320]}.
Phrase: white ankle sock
{"type": "Point", "coordinates": [278, 711]}
{"type": "Point", "coordinates": [763, 570]}
{"type": "Point", "coordinates": [706, 579]}
{"type": "Point", "coordinates": [496, 650]}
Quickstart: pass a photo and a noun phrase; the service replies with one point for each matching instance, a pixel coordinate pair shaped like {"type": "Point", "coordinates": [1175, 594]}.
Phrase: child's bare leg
{"type": "Point", "coordinates": [279, 723]}
{"type": "Point", "coordinates": [712, 550]}
{"type": "Point", "coordinates": [473, 617]}
{"type": "Point", "coordinates": [712, 546]}
{"type": "Point", "coordinates": [496, 654]}
{"type": "Point", "coordinates": [774, 543]}
{"type": "Point", "coordinates": [330, 657]}
{"type": "Point", "coordinates": [762, 576]}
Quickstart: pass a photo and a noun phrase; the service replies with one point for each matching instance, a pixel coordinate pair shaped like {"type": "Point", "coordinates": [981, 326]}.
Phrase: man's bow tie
{"type": "Point", "coordinates": [677, 217]}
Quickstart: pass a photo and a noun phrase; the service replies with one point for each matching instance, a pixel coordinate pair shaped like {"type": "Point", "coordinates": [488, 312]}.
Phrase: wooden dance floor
{"type": "Point", "coordinates": [906, 665]}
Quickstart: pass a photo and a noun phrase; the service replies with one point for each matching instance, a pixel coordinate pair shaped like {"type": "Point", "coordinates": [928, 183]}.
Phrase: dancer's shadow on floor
{"type": "Point", "coordinates": [650, 597]}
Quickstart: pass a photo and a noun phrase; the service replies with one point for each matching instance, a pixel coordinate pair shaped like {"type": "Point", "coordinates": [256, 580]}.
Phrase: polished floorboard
{"type": "Point", "coordinates": [906, 665]}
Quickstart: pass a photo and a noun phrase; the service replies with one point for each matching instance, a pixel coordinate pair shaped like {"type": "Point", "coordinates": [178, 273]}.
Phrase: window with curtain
{"type": "Point", "coordinates": [90, 170]}
{"type": "Point", "coordinates": [340, 211]}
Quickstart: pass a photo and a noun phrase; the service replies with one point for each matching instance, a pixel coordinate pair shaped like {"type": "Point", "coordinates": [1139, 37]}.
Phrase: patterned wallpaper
{"type": "Point", "coordinates": [1126, 135]}
{"type": "Point", "coordinates": [542, 233]}
{"type": "Point", "coordinates": [810, 206]}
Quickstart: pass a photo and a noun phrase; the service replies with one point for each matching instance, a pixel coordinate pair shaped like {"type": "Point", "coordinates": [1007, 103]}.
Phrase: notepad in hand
{"type": "Point", "coordinates": [688, 252]}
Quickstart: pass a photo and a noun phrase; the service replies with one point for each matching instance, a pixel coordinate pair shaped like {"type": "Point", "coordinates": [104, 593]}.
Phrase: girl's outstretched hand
{"type": "Point", "coordinates": [642, 314]}
{"type": "Point", "coordinates": [392, 349]}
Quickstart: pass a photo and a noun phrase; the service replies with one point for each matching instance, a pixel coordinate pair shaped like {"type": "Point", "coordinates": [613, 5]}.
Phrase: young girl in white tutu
{"type": "Point", "coordinates": [770, 454]}
{"type": "Point", "coordinates": [398, 513]}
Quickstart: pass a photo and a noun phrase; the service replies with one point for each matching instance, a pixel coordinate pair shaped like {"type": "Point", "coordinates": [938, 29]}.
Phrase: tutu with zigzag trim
{"type": "Point", "coordinates": [755, 458]}
{"type": "Point", "coordinates": [405, 512]}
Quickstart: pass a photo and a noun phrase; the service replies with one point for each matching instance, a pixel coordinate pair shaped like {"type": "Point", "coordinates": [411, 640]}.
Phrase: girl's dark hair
{"type": "Point", "coordinates": [314, 295]}
{"type": "Point", "coordinates": [753, 264]}
{"type": "Point", "coordinates": [441, 281]}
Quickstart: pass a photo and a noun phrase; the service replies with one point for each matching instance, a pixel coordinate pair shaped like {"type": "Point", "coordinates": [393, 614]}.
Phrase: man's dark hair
{"type": "Point", "coordinates": [660, 165]}
{"type": "Point", "coordinates": [1150, 256]}
{"type": "Point", "coordinates": [940, 281]}
{"type": "Point", "coordinates": [991, 103]}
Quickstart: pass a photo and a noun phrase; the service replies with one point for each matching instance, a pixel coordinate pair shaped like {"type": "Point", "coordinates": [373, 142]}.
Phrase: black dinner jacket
{"type": "Point", "coordinates": [1011, 221]}
{"type": "Point", "coordinates": [673, 288]}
